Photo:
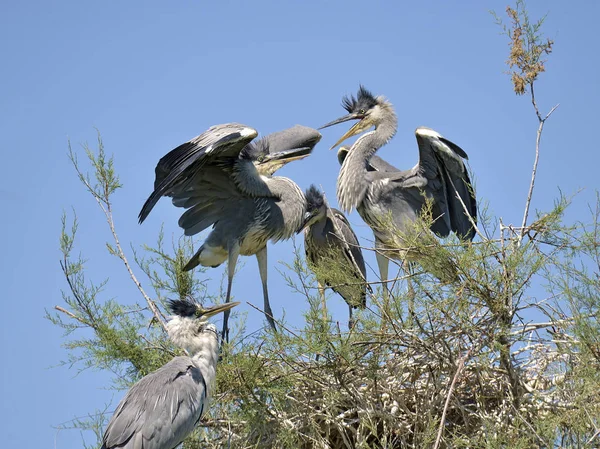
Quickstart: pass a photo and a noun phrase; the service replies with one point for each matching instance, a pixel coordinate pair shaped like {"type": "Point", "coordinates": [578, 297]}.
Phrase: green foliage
{"type": "Point", "coordinates": [489, 344]}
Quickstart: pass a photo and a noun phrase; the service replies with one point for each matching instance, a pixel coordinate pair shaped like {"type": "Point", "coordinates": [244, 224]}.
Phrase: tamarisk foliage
{"type": "Point", "coordinates": [507, 354]}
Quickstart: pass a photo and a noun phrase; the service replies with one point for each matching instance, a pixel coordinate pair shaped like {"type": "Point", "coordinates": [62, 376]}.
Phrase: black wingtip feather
{"type": "Point", "coordinates": [147, 207]}
{"type": "Point", "coordinates": [183, 308]}
{"type": "Point", "coordinates": [458, 150]}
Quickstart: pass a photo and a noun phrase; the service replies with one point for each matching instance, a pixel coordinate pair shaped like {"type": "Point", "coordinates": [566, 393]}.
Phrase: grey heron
{"type": "Point", "coordinates": [165, 406]}
{"type": "Point", "coordinates": [224, 180]}
{"type": "Point", "coordinates": [380, 192]}
{"type": "Point", "coordinates": [333, 251]}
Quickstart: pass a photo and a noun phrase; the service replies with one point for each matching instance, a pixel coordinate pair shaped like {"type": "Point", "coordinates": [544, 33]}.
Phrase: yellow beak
{"type": "Point", "coordinates": [210, 311]}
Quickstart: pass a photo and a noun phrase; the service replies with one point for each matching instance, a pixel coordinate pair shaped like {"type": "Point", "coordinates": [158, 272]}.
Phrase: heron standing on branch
{"type": "Point", "coordinates": [333, 252]}
{"type": "Point", "coordinates": [379, 192]}
{"type": "Point", "coordinates": [224, 180]}
{"type": "Point", "coordinates": [165, 406]}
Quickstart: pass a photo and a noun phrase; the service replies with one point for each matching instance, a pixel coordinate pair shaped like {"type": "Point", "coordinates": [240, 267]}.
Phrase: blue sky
{"type": "Point", "coordinates": [151, 75]}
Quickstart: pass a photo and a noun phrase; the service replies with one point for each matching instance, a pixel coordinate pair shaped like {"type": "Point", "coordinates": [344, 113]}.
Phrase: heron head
{"type": "Point", "coordinates": [316, 207]}
{"type": "Point", "coordinates": [273, 151]}
{"type": "Point", "coordinates": [366, 108]}
{"type": "Point", "coordinates": [189, 325]}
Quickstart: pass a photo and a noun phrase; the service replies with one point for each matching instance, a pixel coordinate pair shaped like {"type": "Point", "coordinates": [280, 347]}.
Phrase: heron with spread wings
{"type": "Point", "coordinates": [224, 178]}
{"type": "Point", "coordinates": [382, 194]}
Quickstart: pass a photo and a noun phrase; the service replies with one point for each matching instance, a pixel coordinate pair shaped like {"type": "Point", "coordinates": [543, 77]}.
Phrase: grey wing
{"type": "Point", "coordinates": [309, 247]}
{"type": "Point", "coordinates": [378, 164]}
{"type": "Point", "coordinates": [401, 193]}
{"type": "Point", "coordinates": [210, 198]}
{"type": "Point", "coordinates": [352, 250]}
{"type": "Point", "coordinates": [160, 410]}
{"type": "Point", "coordinates": [179, 166]}
{"type": "Point", "coordinates": [441, 163]}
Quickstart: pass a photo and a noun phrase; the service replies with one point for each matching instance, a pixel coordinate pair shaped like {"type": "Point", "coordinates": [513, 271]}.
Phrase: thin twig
{"type": "Point", "coordinates": [277, 321]}
{"type": "Point", "coordinates": [157, 314]}
{"type": "Point", "coordinates": [459, 368]}
{"type": "Point", "coordinates": [465, 210]}
{"type": "Point", "coordinates": [69, 314]}
{"type": "Point", "coordinates": [103, 200]}
{"type": "Point", "coordinates": [536, 160]}
{"type": "Point", "coordinates": [593, 437]}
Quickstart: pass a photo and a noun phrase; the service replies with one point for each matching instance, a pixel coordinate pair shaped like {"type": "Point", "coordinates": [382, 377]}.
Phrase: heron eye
{"type": "Point", "coordinates": [362, 111]}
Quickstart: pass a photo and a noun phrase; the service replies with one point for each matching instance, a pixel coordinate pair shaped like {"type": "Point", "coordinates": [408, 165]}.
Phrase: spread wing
{"type": "Point", "coordinates": [441, 162]}
{"type": "Point", "coordinates": [215, 147]}
{"type": "Point", "coordinates": [208, 176]}
{"type": "Point", "coordinates": [160, 410]}
{"type": "Point", "coordinates": [441, 174]}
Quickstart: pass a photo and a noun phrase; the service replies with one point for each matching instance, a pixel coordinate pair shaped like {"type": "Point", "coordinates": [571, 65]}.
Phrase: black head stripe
{"type": "Point", "coordinates": [314, 198]}
{"type": "Point", "coordinates": [183, 308]}
{"type": "Point", "coordinates": [255, 149]}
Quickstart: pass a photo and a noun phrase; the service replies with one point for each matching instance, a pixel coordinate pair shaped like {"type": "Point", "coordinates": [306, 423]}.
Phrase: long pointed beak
{"type": "Point", "coordinates": [274, 161]}
{"type": "Point", "coordinates": [357, 128]}
{"type": "Point", "coordinates": [286, 156]}
{"type": "Point", "coordinates": [210, 311]}
{"type": "Point", "coordinates": [305, 220]}
{"type": "Point", "coordinates": [345, 118]}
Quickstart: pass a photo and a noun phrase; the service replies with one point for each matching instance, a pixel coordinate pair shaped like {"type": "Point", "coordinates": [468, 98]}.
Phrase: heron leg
{"type": "Point", "coordinates": [408, 269]}
{"type": "Point", "coordinates": [261, 257]}
{"type": "Point", "coordinates": [233, 256]}
{"type": "Point", "coordinates": [323, 301]}
{"type": "Point", "coordinates": [384, 263]}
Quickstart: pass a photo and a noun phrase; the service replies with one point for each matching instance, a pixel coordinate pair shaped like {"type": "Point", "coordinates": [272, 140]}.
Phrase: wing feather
{"type": "Point", "coordinates": [441, 163]}
{"type": "Point", "coordinates": [220, 142]}
{"type": "Point", "coordinates": [351, 244]}
{"type": "Point", "coordinates": [160, 410]}
{"type": "Point", "coordinates": [354, 256]}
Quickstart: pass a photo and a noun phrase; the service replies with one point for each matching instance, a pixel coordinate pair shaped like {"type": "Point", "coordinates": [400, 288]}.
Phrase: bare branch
{"type": "Point", "coordinates": [69, 314]}
{"type": "Point", "coordinates": [459, 368]}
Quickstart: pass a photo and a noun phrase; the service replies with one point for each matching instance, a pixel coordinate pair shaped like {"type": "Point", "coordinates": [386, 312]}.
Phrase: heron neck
{"type": "Point", "coordinates": [205, 358]}
{"type": "Point", "coordinates": [352, 183]}
{"type": "Point", "coordinates": [248, 179]}
{"type": "Point", "coordinates": [381, 135]}
{"type": "Point", "coordinates": [317, 229]}
{"type": "Point", "coordinates": [292, 204]}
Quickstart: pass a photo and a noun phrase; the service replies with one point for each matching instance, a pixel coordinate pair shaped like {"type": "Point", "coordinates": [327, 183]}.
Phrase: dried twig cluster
{"type": "Point", "coordinates": [527, 48]}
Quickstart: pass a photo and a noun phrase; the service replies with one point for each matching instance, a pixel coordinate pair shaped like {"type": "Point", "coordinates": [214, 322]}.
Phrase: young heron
{"type": "Point", "coordinates": [165, 406]}
{"type": "Point", "coordinates": [225, 180]}
{"type": "Point", "coordinates": [390, 200]}
{"type": "Point", "coordinates": [333, 252]}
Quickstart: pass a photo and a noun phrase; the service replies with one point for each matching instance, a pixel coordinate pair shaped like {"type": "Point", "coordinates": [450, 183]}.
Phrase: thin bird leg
{"type": "Point", "coordinates": [261, 257]}
{"type": "Point", "coordinates": [384, 263]}
{"type": "Point", "coordinates": [233, 256]}
{"type": "Point", "coordinates": [408, 269]}
{"type": "Point", "coordinates": [323, 301]}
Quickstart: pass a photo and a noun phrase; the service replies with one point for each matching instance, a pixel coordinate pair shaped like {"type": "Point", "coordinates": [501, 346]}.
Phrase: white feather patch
{"type": "Point", "coordinates": [427, 132]}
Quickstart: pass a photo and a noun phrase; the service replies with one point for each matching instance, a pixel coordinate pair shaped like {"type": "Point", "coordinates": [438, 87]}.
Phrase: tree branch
{"type": "Point", "coordinates": [536, 160]}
